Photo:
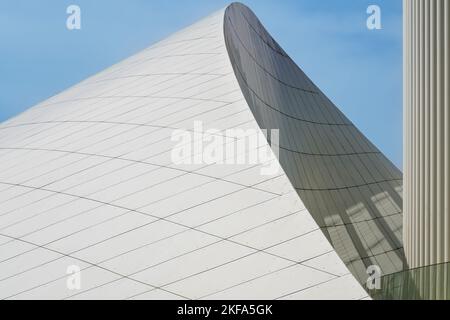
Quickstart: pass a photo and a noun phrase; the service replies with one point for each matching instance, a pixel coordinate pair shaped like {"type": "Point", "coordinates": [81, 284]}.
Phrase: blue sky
{"type": "Point", "coordinates": [358, 69]}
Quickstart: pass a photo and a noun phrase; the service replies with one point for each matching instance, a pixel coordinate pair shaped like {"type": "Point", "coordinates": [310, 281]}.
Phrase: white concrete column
{"type": "Point", "coordinates": [426, 132]}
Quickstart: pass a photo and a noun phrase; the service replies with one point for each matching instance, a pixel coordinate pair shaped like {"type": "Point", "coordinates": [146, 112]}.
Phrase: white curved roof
{"type": "Point", "coordinates": [87, 180]}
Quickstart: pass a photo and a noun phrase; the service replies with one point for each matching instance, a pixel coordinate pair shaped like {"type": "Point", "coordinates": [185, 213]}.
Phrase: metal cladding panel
{"type": "Point", "coordinates": [351, 189]}
{"type": "Point", "coordinates": [87, 180]}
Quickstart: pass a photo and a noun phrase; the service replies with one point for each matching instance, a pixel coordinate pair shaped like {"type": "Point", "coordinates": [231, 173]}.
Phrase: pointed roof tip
{"type": "Point", "coordinates": [237, 4]}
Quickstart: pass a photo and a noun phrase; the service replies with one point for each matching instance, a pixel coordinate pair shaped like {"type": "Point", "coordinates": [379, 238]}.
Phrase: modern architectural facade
{"type": "Point", "coordinates": [427, 151]}
{"type": "Point", "coordinates": [88, 181]}
{"type": "Point", "coordinates": [352, 191]}
{"type": "Point", "coordinates": [427, 138]}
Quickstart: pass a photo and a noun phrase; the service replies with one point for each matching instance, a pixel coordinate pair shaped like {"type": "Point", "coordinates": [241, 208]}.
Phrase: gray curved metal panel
{"type": "Point", "coordinates": [352, 190]}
